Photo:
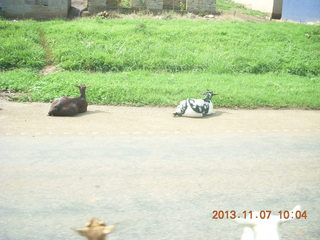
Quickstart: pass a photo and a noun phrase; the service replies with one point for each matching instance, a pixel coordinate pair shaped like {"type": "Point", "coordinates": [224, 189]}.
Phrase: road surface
{"type": "Point", "coordinates": [156, 176]}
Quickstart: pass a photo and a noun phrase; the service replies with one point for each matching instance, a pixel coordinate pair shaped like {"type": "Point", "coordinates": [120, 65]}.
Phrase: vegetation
{"type": "Point", "coordinates": [20, 45]}
{"type": "Point", "coordinates": [174, 46]}
{"type": "Point", "coordinates": [156, 62]}
{"type": "Point", "coordinates": [166, 89]}
{"type": "Point", "coordinates": [125, 3]}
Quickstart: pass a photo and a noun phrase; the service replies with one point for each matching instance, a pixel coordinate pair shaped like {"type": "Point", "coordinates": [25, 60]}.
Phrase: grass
{"type": "Point", "coordinates": [167, 89]}
{"type": "Point", "coordinates": [179, 45]}
{"type": "Point", "coordinates": [157, 62]}
{"type": "Point", "coordinates": [20, 45]}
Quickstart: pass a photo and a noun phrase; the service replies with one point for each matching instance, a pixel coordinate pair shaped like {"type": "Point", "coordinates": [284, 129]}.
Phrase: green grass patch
{"type": "Point", "coordinates": [182, 45]}
{"type": "Point", "coordinates": [20, 45]}
{"type": "Point", "coordinates": [162, 46]}
{"type": "Point", "coordinates": [156, 62]}
{"type": "Point", "coordinates": [167, 89]}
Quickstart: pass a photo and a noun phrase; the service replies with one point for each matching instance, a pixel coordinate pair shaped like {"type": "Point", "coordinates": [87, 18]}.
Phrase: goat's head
{"type": "Point", "coordinates": [264, 229]}
{"type": "Point", "coordinates": [94, 222]}
{"type": "Point", "coordinates": [81, 86]}
{"type": "Point", "coordinates": [95, 229]}
{"type": "Point", "coordinates": [53, 111]}
{"type": "Point", "coordinates": [209, 94]}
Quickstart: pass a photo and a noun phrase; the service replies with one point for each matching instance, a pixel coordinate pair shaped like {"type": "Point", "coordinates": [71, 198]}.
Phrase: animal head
{"type": "Point", "coordinates": [81, 86]}
{"type": "Point", "coordinates": [263, 229]}
{"type": "Point", "coordinates": [95, 229]}
{"type": "Point", "coordinates": [209, 94]}
{"type": "Point", "coordinates": [95, 222]}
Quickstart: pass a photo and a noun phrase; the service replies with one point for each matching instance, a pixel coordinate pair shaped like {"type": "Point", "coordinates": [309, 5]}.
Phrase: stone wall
{"type": "Point", "coordinates": [44, 9]}
{"type": "Point", "coordinates": [191, 5]}
{"type": "Point", "coordinates": [113, 3]}
{"type": "Point", "coordinates": [38, 9]}
{"type": "Point", "coordinates": [95, 6]}
{"type": "Point", "coordinates": [201, 6]}
{"type": "Point", "coordinates": [149, 4]}
{"type": "Point", "coordinates": [173, 4]}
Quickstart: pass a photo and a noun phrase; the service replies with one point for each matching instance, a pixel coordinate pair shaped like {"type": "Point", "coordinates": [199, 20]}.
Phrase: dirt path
{"type": "Point", "coordinates": [31, 119]}
{"type": "Point", "coordinates": [155, 175]}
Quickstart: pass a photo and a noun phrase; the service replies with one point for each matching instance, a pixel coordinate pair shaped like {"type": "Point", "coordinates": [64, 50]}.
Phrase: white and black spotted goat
{"type": "Point", "coordinates": [196, 107]}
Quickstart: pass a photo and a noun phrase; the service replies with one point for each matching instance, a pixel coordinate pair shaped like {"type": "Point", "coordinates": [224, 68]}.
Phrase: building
{"type": "Point", "coordinates": [190, 5]}
{"type": "Point", "coordinates": [271, 7]}
{"type": "Point", "coordinates": [208, 6]}
{"type": "Point", "coordinates": [95, 6]}
{"type": "Point", "coordinates": [38, 9]}
{"type": "Point", "coordinates": [295, 10]}
{"type": "Point", "coordinates": [46, 9]}
{"type": "Point", "coordinates": [301, 11]}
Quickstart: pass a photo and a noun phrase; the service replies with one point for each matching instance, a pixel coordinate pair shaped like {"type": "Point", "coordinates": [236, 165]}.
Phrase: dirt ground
{"type": "Point", "coordinates": [220, 16]}
{"type": "Point", "coordinates": [31, 119]}
{"type": "Point", "coordinates": [154, 175]}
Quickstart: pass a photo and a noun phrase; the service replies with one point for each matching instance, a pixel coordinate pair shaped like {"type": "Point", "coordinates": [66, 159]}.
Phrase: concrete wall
{"type": "Point", "coordinates": [149, 4]}
{"type": "Point", "coordinates": [201, 6]}
{"type": "Point", "coordinates": [39, 9]}
{"type": "Point", "coordinates": [308, 11]}
{"type": "Point", "coordinates": [272, 7]}
{"type": "Point", "coordinates": [191, 5]}
{"type": "Point", "coordinates": [173, 4]}
{"type": "Point", "coordinates": [95, 6]}
{"type": "Point", "coordinates": [154, 4]}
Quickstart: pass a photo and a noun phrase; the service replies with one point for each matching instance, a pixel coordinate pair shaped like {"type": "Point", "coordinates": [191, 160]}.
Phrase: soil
{"type": "Point", "coordinates": [49, 69]}
{"type": "Point", "coordinates": [220, 16]}
{"type": "Point", "coordinates": [31, 119]}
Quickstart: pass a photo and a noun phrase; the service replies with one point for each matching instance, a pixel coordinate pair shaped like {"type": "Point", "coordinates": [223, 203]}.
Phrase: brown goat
{"type": "Point", "coordinates": [66, 106]}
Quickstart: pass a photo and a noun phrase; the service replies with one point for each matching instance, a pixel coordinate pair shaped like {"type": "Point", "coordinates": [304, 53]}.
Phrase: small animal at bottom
{"type": "Point", "coordinates": [256, 228]}
{"type": "Point", "coordinates": [195, 107]}
{"type": "Point", "coordinates": [95, 229]}
{"type": "Point", "coordinates": [66, 106]}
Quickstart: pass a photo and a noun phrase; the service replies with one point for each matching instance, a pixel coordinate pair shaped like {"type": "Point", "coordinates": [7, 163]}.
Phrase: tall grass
{"type": "Point", "coordinates": [180, 45]}
{"type": "Point", "coordinates": [167, 89]}
{"type": "Point", "coordinates": [156, 62]}
{"type": "Point", "coordinates": [20, 45]}
{"type": "Point", "coordinates": [156, 45]}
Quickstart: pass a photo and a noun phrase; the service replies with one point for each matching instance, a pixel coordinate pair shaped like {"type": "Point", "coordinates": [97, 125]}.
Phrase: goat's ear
{"type": "Point", "coordinates": [108, 229]}
{"type": "Point", "coordinates": [296, 208]}
{"type": "Point", "coordinates": [76, 86]}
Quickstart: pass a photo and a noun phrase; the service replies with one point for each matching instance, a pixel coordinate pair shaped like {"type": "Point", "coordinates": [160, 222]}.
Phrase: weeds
{"type": "Point", "coordinates": [179, 45]}
{"type": "Point", "coordinates": [20, 45]}
{"type": "Point", "coordinates": [154, 62]}
{"type": "Point", "coordinates": [167, 89]}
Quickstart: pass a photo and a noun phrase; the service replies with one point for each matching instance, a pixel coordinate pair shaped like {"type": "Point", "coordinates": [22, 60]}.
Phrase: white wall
{"type": "Point", "coordinates": [260, 5]}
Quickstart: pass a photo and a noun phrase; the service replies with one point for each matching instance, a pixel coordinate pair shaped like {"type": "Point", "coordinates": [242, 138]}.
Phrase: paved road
{"type": "Point", "coordinates": [156, 185]}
